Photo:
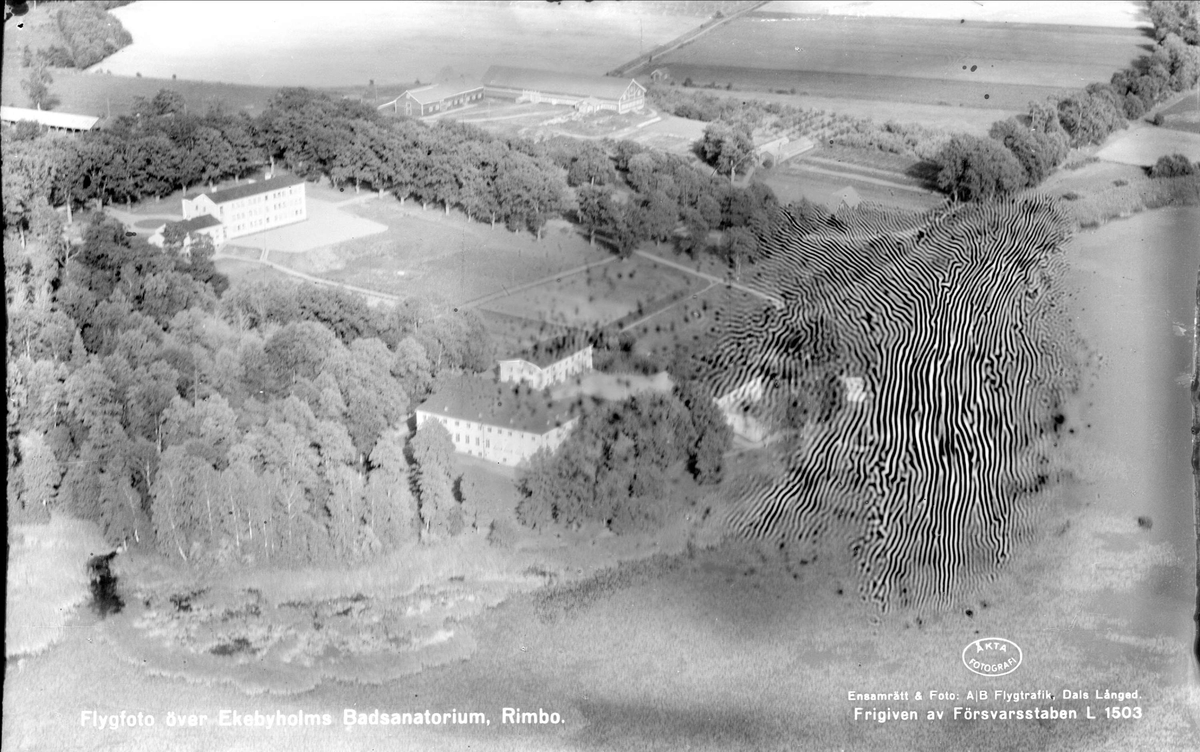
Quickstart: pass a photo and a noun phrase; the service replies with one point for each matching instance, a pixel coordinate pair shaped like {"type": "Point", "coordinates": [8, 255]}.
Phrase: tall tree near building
{"type": "Point", "coordinates": [390, 507]}
{"type": "Point", "coordinates": [726, 148]}
{"type": "Point", "coordinates": [36, 86]}
{"type": "Point", "coordinates": [432, 449]}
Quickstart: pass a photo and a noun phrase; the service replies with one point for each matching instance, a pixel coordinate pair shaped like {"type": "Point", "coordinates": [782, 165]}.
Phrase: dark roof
{"type": "Point", "coordinates": [198, 223]}
{"type": "Point", "coordinates": [505, 405]}
{"type": "Point", "coordinates": [551, 351]}
{"type": "Point", "coordinates": [250, 189]}
{"type": "Point", "coordinates": [553, 82]}
{"type": "Point", "coordinates": [440, 92]}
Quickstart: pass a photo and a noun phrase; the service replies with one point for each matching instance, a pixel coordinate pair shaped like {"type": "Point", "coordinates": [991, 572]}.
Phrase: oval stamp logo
{"type": "Point", "coordinates": [992, 656]}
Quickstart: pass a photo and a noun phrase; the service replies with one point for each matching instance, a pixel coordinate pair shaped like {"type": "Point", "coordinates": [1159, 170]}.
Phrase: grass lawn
{"type": "Point", "coordinates": [694, 323]}
{"type": "Point", "coordinates": [794, 181]}
{"type": "Point", "coordinates": [1183, 115]}
{"type": "Point", "coordinates": [513, 334]}
{"type": "Point", "coordinates": [429, 252]}
{"type": "Point", "coordinates": [1143, 144]}
{"type": "Point", "coordinates": [598, 295]}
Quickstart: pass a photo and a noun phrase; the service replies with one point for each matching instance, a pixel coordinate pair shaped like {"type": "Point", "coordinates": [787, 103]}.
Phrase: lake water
{"type": "Point", "coordinates": [324, 44]}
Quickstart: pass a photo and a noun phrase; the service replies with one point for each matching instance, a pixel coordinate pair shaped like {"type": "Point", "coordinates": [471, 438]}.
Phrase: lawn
{"type": "Point", "coordinates": [1143, 144]}
{"type": "Point", "coordinates": [429, 252]}
{"type": "Point", "coordinates": [1184, 115]}
{"type": "Point", "coordinates": [817, 181]}
{"type": "Point", "coordinates": [693, 323]}
{"type": "Point", "coordinates": [905, 60]}
{"type": "Point", "coordinates": [512, 334]}
{"type": "Point", "coordinates": [598, 296]}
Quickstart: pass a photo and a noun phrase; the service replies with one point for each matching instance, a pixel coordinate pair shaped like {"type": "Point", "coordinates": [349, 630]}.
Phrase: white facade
{"type": "Point", "coordinates": [540, 377]}
{"type": "Point", "coordinates": [251, 208]}
{"type": "Point", "coordinates": [503, 445]}
{"type": "Point", "coordinates": [736, 405]}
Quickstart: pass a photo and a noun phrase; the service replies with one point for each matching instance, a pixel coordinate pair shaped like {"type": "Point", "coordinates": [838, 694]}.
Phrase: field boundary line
{"type": "Point", "coordinates": [773, 300]}
{"type": "Point", "coordinates": [688, 36]}
{"type": "Point", "coordinates": [556, 277]}
{"type": "Point", "coordinates": [862, 178]}
{"type": "Point", "coordinates": [381, 296]}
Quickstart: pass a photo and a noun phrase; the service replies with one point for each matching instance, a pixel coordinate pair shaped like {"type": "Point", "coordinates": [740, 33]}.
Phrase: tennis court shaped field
{"type": "Point", "coordinates": [597, 296]}
{"type": "Point", "coordinates": [931, 61]}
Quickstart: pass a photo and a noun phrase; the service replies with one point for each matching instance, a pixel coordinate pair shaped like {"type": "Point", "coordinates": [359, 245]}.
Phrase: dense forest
{"type": "Point", "coordinates": [263, 423]}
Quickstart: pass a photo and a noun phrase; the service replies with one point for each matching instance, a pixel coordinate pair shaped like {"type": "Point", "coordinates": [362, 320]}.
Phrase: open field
{"type": "Point", "coordinates": [1184, 115]}
{"type": "Point", "coordinates": [429, 252]}
{"type": "Point", "coordinates": [598, 296]}
{"type": "Point", "coordinates": [1143, 144]}
{"type": "Point", "coordinates": [513, 334]}
{"type": "Point", "coordinates": [671, 134]}
{"type": "Point", "coordinates": [1125, 15]}
{"type": "Point", "coordinates": [98, 94]}
{"type": "Point", "coordinates": [816, 176]}
{"type": "Point", "coordinates": [992, 66]}
{"type": "Point", "coordinates": [692, 323]}
{"type": "Point", "coordinates": [385, 42]}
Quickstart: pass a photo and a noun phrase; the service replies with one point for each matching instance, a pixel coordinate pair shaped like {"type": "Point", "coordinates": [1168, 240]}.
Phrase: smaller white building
{"type": "Point", "coordinates": [548, 363]}
{"type": "Point", "coordinates": [738, 404]}
{"type": "Point", "coordinates": [192, 228]}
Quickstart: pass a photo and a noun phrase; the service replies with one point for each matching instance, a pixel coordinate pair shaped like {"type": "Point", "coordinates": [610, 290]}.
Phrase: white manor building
{"type": "Point", "coordinates": [251, 207]}
{"type": "Point", "coordinates": [502, 423]}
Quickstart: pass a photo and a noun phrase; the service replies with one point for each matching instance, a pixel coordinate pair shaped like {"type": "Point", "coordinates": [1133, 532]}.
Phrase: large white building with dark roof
{"type": "Point", "coordinates": [251, 207]}
{"type": "Point", "coordinates": [500, 422]}
{"type": "Point", "coordinates": [585, 93]}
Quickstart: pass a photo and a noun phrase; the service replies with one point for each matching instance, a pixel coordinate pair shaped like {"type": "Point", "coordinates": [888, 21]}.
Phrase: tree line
{"type": "Point", "coordinates": [88, 34]}
{"type": "Point", "coordinates": [1021, 152]}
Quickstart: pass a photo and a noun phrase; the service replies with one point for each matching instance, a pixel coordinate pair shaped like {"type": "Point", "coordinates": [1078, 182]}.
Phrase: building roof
{"type": "Point", "coordinates": [551, 351]}
{"type": "Point", "coordinates": [439, 92]}
{"type": "Point", "coordinates": [553, 82]}
{"type": "Point", "coordinates": [252, 188]}
{"type": "Point", "coordinates": [201, 222]}
{"type": "Point", "coordinates": [49, 119]}
{"type": "Point", "coordinates": [482, 400]}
